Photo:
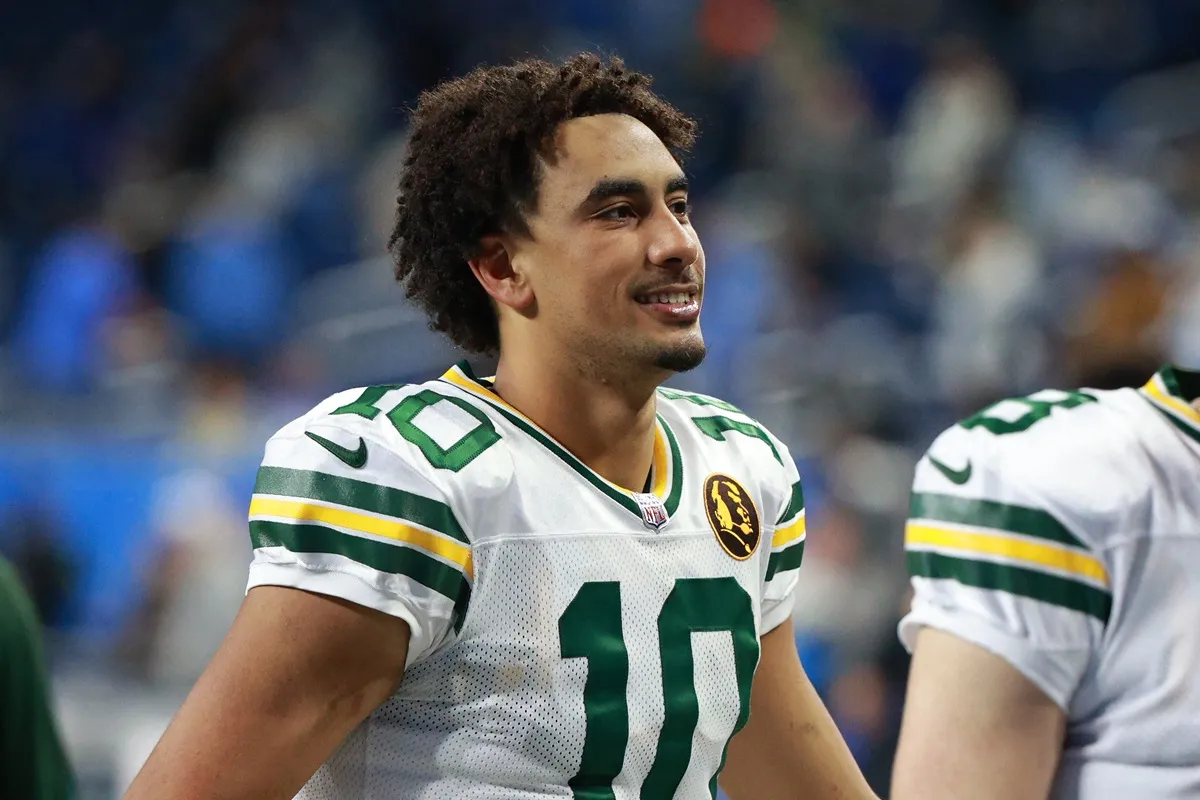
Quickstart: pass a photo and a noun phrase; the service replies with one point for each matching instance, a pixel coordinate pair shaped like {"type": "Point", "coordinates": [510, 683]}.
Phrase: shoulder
{"type": "Point", "coordinates": [1024, 497]}
{"type": "Point", "coordinates": [1012, 510]}
{"type": "Point", "coordinates": [424, 439]}
{"type": "Point", "coordinates": [707, 422]}
{"type": "Point", "coordinates": [722, 435]}
{"type": "Point", "coordinates": [1075, 455]}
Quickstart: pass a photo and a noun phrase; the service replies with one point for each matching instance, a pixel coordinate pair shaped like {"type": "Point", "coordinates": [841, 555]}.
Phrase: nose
{"type": "Point", "coordinates": [672, 243]}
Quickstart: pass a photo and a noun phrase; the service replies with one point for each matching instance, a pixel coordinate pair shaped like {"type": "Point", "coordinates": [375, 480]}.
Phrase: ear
{"type": "Point", "coordinates": [493, 267]}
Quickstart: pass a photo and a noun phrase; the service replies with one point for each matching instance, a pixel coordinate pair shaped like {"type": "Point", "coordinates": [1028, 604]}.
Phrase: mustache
{"type": "Point", "coordinates": [690, 275]}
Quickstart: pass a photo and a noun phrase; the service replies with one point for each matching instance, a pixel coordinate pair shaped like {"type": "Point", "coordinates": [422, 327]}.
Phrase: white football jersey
{"type": "Point", "coordinates": [570, 638]}
{"type": "Point", "coordinates": [1062, 532]}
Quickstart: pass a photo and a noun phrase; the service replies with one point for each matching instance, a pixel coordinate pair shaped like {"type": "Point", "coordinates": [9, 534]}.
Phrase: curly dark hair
{"type": "Point", "coordinates": [472, 169]}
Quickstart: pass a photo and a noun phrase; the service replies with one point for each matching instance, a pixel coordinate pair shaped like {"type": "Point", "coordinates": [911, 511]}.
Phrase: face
{"type": "Point", "coordinates": [615, 267]}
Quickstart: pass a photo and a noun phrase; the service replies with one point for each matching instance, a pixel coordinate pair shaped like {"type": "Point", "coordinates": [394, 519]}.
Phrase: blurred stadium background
{"type": "Point", "coordinates": [910, 209]}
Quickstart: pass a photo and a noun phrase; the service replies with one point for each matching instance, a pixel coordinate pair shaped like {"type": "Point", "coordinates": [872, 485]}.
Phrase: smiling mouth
{"type": "Point", "coordinates": [667, 298]}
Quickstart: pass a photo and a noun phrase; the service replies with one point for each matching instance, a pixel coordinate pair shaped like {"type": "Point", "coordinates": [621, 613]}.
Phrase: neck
{"type": "Point", "coordinates": [609, 426]}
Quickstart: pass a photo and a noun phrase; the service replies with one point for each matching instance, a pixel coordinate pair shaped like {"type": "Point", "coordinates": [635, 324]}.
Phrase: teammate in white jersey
{"type": "Point", "coordinates": [1054, 546]}
{"type": "Point", "coordinates": [560, 582]}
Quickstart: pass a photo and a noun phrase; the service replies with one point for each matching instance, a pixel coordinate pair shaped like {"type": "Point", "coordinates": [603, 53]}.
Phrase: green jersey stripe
{"type": "Point", "coordinates": [698, 399]}
{"type": "Point", "coordinates": [415, 508]}
{"type": "Point", "coordinates": [394, 559]}
{"type": "Point", "coordinates": [990, 514]}
{"type": "Point", "coordinates": [672, 501]}
{"type": "Point", "coordinates": [795, 505]}
{"type": "Point", "coordinates": [786, 559]}
{"type": "Point", "coordinates": [628, 502]}
{"type": "Point", "coordinates": [1171, 381]}
{"type": "Point", "coordinates": [1013, 580]}
{"type": "Point", "coordinates": [1185, 428]}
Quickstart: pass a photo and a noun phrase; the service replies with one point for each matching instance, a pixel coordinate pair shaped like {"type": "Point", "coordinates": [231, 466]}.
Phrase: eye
{"type": "Point", "coordinates": [681, 207]}
{"type": "Point", "coordinates": [617, 212]}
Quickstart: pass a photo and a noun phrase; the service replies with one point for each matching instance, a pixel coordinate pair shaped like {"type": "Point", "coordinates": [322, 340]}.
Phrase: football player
{"type": "Point", "coordinates": [561, 581]}
{"type": "Point", "coordinates": [1054, 546]}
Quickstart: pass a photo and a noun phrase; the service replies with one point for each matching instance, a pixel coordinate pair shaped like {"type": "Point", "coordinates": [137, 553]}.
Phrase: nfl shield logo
{"type": "Point", "coordinates": [654, 513]}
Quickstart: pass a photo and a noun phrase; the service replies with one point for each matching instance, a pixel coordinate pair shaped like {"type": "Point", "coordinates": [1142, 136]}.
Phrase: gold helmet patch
{"type": "Point", "coordinates": [732, 514]}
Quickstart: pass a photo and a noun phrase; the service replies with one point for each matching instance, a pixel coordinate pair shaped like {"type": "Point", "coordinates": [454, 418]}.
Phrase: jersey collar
{"type": "Point", "coordinates": [1171, 390]}
{"type": "Point", "coordinates": [666, 472]}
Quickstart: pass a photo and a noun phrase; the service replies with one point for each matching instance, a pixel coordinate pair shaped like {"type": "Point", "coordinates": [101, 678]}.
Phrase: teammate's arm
{"type": "Point", "coordinates": [790, 747]}
{"type": "Point", "coordinates": [973, 727]}
{"type": "Point", "coordinates": [296, 674]}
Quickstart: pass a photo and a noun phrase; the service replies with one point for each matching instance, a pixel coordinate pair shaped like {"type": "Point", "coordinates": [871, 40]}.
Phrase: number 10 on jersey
{"type": "Point", "coordinates": [590, 628]}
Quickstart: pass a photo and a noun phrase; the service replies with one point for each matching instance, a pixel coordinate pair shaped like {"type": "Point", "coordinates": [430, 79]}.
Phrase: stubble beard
{"type": "Point", "coordinates": [620, 361]}
{"type": "Point", "coordinates": [683, 357]}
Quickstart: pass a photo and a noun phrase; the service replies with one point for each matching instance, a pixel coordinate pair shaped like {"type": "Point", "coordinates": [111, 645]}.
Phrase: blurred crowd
{"type": "Point", "coordinates": [910, 209]}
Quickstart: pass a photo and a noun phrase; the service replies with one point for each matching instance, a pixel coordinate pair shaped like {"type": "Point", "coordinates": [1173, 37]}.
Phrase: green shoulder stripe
{"type": "Point", "coordinates": [1184, 428]}
{"type": "Point", "coordinates": [1013, 580]}
{"type": "Point", "coordinates": [671, 502]}
{"type": "Point", "coordinates": [365, 496]}
{"type": "Point", "coordinates": [786, 559]}
{"type": "Point", "coordinates": [795, 504]}
{"type": "Point", "coordinates": [381, 556]}
{"type": "Point", "coordinates": [698, 399]}
{"type": "Point", "coordinates": [989, 514]}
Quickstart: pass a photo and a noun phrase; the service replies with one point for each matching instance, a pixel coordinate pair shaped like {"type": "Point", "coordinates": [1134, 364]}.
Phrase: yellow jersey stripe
{"type": "Point", "coordinates": [1156, 391]}
{"type": "Point", "coordinates": [1045, 555]}
{"type": "Point", "coordinates": [462, 382]}
{"type": "Point", "coordinates": [389, 528]}
{"type": "Point", "coordinates": [785, 536]}
{"type": "Point", "coordinates": [660, 463]}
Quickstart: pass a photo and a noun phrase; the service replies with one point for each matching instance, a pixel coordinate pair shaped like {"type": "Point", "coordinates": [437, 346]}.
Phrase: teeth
{"type": "Point", "coordinates": [673, 298]}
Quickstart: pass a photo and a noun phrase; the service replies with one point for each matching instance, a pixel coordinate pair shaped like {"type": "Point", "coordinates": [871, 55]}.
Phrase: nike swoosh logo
{"type": "Point", "coordinates": [356, 459]}
{"type": "Point", "coordinates": [959, 476]}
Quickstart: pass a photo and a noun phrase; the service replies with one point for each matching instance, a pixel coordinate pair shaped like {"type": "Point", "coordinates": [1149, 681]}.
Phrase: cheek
{"type": "Point", "coordinates": [593, 280]}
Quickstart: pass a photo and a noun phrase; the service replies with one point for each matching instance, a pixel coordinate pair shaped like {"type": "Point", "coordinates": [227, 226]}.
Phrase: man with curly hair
{"type": "Point", "coordinates": [562, 581]}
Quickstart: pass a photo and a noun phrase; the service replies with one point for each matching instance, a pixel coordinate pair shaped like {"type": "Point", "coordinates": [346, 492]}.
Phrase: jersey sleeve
{"type": "Point", "coordinates": [787, 547]}
{"type": "Point", "coordinates": [377, 531]}
{"type": "Point", "coordinates": [993, 561]}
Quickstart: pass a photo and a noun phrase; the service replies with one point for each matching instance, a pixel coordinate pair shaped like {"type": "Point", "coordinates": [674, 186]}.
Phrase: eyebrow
{"type": "Point", "coordinates": [608, 188]}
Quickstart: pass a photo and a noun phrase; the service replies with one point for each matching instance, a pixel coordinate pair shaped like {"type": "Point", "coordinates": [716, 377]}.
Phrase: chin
{"type": "Point", "coordinates": [682, 357]}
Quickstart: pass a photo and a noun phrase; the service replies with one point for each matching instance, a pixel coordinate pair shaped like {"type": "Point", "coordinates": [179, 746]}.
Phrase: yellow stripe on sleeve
{"type": "Point", "coordinates": [1045, 555]}
{"type": "Point", "coordinates": [785, 536]}
{"type": "Point", "coordinates": [390, 528]}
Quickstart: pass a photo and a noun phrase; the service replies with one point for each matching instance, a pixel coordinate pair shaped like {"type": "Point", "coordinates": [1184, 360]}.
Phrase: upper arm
{"type": "Point", "coordinates": [789, 747]}
{"type": "Point", "coordinates": [1010, 599]}
{"type": "Point", "coordinates": [973, 727]}
{"type": "Point", "coordinates": [295, 675]}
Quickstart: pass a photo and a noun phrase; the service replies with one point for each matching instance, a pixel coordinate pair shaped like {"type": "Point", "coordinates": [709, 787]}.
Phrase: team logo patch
{"type": "Point", "coordinates": [732, 514]}
{"type": "Point", "coordinates": [654, 513]}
